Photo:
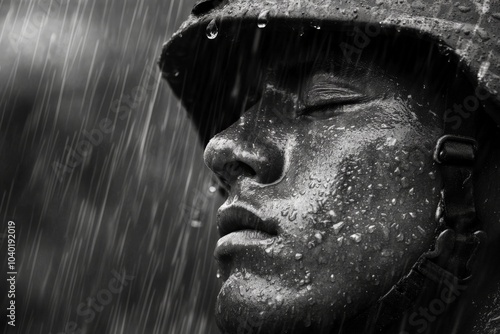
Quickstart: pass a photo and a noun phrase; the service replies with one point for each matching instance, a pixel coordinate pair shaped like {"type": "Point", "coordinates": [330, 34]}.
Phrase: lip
{"type": "Point", "coordinates": [242, 231]}
{"type": "Point", "coordinates": [237, 218]}
{"type": "Point", "coordinates": [241, 241]}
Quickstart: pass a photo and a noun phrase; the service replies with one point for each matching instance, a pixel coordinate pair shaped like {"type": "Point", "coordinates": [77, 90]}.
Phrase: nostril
{"type": "Point", "coordinates": [231, 171]}
{"type": "Point", "coordinates": [236, 168]}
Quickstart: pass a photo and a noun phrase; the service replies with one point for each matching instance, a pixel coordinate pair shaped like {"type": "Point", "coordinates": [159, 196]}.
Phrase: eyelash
{"type": "Point", "coordinates": [336, 108]}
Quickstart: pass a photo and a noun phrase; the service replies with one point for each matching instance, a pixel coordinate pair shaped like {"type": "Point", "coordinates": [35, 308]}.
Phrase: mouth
{"type": "Point", "coordinates": [242, 231]}
{"type": "Point", "coordinates": [236, 218]}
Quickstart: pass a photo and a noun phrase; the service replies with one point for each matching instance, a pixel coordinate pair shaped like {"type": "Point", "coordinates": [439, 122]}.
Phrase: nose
{"type": "Point", "coordinates": [246, 151]}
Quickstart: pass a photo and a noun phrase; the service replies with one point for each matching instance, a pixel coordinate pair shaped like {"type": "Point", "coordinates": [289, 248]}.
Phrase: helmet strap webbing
{"type": "Point", "coordinates": [442, 273]}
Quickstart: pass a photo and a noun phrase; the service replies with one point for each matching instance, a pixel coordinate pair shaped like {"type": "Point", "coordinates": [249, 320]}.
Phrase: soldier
{"type": "Point", "coordinates": [357, 145]}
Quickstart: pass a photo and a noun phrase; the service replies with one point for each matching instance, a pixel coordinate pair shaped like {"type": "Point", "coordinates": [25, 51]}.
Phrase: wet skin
{"type": "Point", "coordinates": [331, 194]}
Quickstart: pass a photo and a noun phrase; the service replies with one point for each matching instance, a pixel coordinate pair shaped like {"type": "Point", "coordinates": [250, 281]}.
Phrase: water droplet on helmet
{"type": "Point", "coordinates": [212, 29]}
{"type": "Point", "coordinates": [332, 278]}
{"type": "Point", "coordinates": [464, 9]}
{"type": "Point", "coordinates": [262, 19]}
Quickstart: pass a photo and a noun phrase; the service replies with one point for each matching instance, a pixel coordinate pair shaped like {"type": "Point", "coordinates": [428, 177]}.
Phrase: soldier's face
{"type": "Point", "coordinates": [331, 194]}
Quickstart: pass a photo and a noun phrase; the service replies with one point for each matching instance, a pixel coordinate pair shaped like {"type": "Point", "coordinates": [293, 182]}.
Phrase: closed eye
{"type": "Point", "coordinates": [325, 101]}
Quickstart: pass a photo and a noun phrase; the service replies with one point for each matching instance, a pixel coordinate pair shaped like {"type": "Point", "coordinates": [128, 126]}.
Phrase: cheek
{"type": "Point", "coordinates": [375, 216]}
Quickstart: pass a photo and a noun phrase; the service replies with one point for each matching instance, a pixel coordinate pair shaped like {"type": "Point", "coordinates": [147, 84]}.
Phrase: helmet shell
{"type": "Point", "coordinates": [212, 61]}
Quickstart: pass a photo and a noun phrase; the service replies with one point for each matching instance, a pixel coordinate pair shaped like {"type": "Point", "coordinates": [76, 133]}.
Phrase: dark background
{"type": "Point", "coordinates": [135, 200]}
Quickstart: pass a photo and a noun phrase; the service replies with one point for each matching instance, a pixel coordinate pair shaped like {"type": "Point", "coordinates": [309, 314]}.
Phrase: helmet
{"type": "Point", "coordinates": [212, 61]}
{"type": "Point", "coordinates": [213, 65]}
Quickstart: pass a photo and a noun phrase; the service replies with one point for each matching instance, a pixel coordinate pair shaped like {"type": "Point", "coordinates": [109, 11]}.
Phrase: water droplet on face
{"type": "Point", "coordinates": [385, 231]}
{"type": "Point", "coordinates": [371, 228]}
{"type": "Point", "coordinates": [298, 256]}
{"type": "Point", "coordinates": [400, 237]}
{"type": "Point", "coordinates": [337, 227]}
{"type": "Point", "coordinates": [356, 237]}
{"type": "Point", "coordinates": [332, 278]}
{"type": "Point", "coordinates": [212, 29]}
{"type": "Point", "coordinates": [293, 216]}
{"type": "Point", "coordinates": [386, 253]}
{"type": "Point", "coordinates": [212, 189]}
{"type": "Point", "coordinates": [340, 240]}
{"type": "Point", "coordinates": [405, 183]}
{"type": "Point", "coordinates": [279, 300]}
{"type": "Point", "coordinates": [319, 237]}
{"type": "Point", "coordinates": [262, 19]}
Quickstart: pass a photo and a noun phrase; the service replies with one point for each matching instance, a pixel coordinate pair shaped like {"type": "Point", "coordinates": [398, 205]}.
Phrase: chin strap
{"type": "Point", "coordinates": [439, 275]}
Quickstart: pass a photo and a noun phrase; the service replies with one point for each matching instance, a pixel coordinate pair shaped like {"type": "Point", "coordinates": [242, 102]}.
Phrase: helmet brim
{"type": "Point", "coordinates": [214, 76]}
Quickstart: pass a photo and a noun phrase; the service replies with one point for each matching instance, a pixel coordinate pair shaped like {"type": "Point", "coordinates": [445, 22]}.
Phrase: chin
{"type": "Point", "coordinates": [260, 305]}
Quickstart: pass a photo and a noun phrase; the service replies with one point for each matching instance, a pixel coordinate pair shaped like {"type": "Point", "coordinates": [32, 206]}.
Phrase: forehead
{"type": "Point", "coordinates": [287, 60]}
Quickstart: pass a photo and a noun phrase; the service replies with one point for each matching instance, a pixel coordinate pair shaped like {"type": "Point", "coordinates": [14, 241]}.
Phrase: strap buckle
{"type": "Point", "coordinates": [451, 149]}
